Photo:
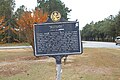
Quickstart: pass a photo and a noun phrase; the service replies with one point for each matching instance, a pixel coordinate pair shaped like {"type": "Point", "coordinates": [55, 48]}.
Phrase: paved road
{"type": "Point", "coordinates": [93, 44]}
{"type": "Point", "coordinates": [15, 47]}
{"type": "Point", "coordinates": [86, 44]}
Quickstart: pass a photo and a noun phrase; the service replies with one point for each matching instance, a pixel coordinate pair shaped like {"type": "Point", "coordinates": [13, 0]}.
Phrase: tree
{"type": "Point", "coordinates": [117, 24]}
{"type": "Point", "coordinates": [6, 8]}
{"type": "Point", "coordinates": [7, 32]}
{"type": "Point", "coordinates": [54, 5]}
{"type": "Point", "coordinates": [109, 28]}
{"type": "Point", "coordinates": [19, 11]}
{"type": "Point", "coordinates": [1, 27]}
{"type": "Point", "coordinates": [104, 30]}
{"type": "Point", "coordinates": [26, 22]}
{"type": "Point", "coordinates": [86, 32]}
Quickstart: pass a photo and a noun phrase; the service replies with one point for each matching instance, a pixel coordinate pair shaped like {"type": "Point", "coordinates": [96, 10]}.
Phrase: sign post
{"type": "Point", "coordinates": [58, 67]}
{"type": "Point", "coordinates": [57, 40]}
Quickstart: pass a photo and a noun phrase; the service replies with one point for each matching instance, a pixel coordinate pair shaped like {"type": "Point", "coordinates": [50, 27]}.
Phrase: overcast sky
{"type": "Point", "coordinates": [83, 10]}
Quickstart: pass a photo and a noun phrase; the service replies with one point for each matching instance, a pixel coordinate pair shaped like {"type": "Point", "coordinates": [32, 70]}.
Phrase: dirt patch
{"type": "Point", "coordinates": [95, 70]}
{"type": "Point", "coordinates": [32, 58]}
{"type": "Point", "coordinates": [16, 61]}
{"type": "Point", "coordinates": [22, 58]}
{"type": "Point", "coordinates": [11, 55]}
{"type": "Point", "coordinates": [10, 69]}
{"type": "Point", "coordinates": [27, 58]}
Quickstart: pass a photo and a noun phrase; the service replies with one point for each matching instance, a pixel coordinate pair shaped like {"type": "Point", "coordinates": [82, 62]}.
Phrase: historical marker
{"type": "Point", "coordinates": [61, 38]}
{"type": "Point", "coordinates": [57, 39]}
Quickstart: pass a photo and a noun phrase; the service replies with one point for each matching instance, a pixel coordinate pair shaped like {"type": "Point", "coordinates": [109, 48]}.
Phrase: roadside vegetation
{"type": "Point", "coordinates": [93, 64]}
{"type": "Point", "coordinates": [104, 30]}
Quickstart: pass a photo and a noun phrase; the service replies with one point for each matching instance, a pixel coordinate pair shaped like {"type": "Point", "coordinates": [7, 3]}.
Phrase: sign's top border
{"type": "Point", "coordinates": [57, 23]}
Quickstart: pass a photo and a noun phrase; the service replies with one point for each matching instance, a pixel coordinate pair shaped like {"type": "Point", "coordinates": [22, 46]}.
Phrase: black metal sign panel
{"type": "Point", "coordinates": [61, 38]}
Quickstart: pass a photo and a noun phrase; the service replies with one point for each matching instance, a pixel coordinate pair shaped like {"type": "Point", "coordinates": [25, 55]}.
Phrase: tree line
{"type": "Point", "coordinates": [104, 30]}
{"type": "Point", "coordinates": [17, 26]}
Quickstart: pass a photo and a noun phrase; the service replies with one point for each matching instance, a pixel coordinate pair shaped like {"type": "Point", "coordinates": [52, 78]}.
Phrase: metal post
{"type": "Point", "coordinates": [58, 66]}
{"type": "Point", "coordinates": [58, 69]}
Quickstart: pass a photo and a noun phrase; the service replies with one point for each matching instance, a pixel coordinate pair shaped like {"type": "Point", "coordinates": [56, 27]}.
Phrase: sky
{"type": "Point", "coordinates": [85, 11]}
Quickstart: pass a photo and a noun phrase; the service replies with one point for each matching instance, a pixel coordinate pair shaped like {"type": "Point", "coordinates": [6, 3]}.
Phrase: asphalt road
{"type": "Point", "coordinates": [86, 44]}
{"type": "Point", "coordinates": [15, 47]}
{"type": "Point", "coordinates": [93, 44]}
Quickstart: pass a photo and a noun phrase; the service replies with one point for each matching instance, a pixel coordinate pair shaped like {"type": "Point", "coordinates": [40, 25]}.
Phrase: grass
{"type": "Point", "coordinates": [93, 64]}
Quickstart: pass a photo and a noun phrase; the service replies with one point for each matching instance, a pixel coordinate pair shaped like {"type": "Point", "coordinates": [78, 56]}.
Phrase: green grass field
{"type": "Point", "coordinates": [93, 64]}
